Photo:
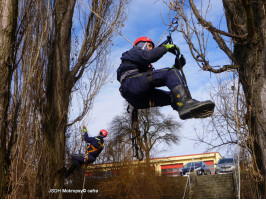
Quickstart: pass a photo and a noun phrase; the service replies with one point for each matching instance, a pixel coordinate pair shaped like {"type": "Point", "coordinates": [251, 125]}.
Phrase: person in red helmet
{"type": "Point", "coordinates": [94, 148]}
{"type": "Point", "coordinates": [140, 82]}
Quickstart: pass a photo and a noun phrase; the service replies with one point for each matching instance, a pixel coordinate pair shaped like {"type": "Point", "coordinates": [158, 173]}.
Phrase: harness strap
{"type": "Point", "coordinates": [126, 74]}
{"type": "Point", "coordinates": [94, 148]}
{"type": "Point", "coordinates": [128, 62]}
{"type": "Point", "coordinates": [149, 78]}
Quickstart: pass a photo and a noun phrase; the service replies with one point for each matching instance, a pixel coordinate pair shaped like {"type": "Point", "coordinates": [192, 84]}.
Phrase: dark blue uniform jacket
{"type": "Point", "coordinates": [94, 141]}
{"type": "Point", "coordinates": [139, 59]}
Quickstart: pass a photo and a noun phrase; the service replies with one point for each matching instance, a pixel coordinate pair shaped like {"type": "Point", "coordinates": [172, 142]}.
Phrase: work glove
{"type": "Point", "coordinates": [84, 129]}
{"type": "Point", "coordinates": [171, 48]}
{"type": "Point", "coordinates": [180, 62]}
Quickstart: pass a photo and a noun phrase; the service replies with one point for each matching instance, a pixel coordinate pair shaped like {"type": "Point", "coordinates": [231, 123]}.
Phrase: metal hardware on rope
{"type": "Point", "coordinates": [174, 21]}
{"type": "Point", "coordinates": [169, 40]}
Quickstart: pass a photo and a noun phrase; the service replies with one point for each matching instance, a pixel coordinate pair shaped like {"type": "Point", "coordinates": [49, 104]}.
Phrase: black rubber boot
{"type": "Point", "coordinates": [70, 170]}
{"type": "Point", "coordinates": [188, 107]}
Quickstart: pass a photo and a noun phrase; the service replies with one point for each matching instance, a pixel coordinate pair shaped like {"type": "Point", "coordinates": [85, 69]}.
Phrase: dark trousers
{"type": "Point", "coordinates": [77, 161]}
{"type": "Point", "coordinates": [137, 91]}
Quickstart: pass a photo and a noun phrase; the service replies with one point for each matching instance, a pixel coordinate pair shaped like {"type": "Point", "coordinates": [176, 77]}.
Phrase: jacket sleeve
{"type": "Point", "coordinates": [148, 57]}
{"type": "Point", "coordinates": [87, 138]}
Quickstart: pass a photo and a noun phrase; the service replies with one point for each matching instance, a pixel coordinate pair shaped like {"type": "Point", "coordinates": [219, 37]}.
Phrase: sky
{"type": "Point", "coordinates": [144, 18]}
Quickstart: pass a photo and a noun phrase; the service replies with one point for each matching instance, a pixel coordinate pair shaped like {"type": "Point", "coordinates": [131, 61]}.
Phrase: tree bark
{"type": "Point", "coordinates": [248, 17]}
{"type": "Point", "coordinates": [59, 87]}
{"type": "Point", "coordinates": [8, 24]}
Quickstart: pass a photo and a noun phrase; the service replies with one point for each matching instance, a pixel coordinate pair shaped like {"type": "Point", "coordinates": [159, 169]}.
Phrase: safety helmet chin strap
{"type": "Point", "coordinates": [143, 45]}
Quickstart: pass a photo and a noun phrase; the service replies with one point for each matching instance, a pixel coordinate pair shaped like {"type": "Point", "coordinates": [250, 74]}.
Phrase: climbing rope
{"type": "Point", "coordinates": [162, 36]}
{"type": "Point", "coordinates": [188, 182]}
{"type": "Point", "coordinates": [106, 22]}
{"type": "Point", "coordinates": [83, 185]}
{"type": "Point", "coordinates": [174, 21]}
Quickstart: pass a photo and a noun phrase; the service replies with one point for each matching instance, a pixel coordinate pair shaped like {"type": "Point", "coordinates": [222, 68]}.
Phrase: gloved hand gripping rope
{"type": "Point", "coordinates": [196, 109]}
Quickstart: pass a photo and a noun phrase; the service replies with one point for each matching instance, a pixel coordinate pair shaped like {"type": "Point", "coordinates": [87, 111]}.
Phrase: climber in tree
{"type": "Point", "coordinates": [94, 148]}
{"type": "Point", "coordinates": [140, 82]}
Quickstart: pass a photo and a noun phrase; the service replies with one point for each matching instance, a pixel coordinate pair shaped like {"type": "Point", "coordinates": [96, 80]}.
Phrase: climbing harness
{"type": "Point", "coordinates": [135, 135]}
{"type": "Point", "coordinates": [93, 149]}
{"type": "Point", "coordinates": [149, 78]}
{"type": "Point", "coordinates": [126, 75]}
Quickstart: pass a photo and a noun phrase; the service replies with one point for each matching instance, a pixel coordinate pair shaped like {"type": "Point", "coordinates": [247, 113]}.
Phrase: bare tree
{"type": "Point", "coordinates": [222, 129]}
{"type": "Point", "coordinates": [8, 42]}
{"type": "Point", "coordinates": [154, 126]}
{"type": "Point", "coordinates": [246, 28]}
{"type": "Point", "coordinates": [26, 96]}
{"type": "Point", "coordinates": [117, 149]}
{"type": "Point", "coordinates": [227, 130]}
{"type": "Point", "coordinates": [61, 75]}
{"type": "Point", "coordinates": [155, 129]}
{"type": "Point", "coordinates": [41, 68]}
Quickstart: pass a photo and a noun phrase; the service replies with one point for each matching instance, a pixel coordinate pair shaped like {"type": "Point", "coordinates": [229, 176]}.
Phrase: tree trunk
{"type": "Point", "coordinates": [254, 86]}
{"type": "Point", "coordinates": [147, 150]}
{"type": "Point", "coordinates": [59, 87]}
{"type": "Point", "coordinates": [252, 78]}
{"type": "Point", "coordinates": [8, 24]}
{"type": "Point", "coordinates": [252, 73]}
{"type": "Point", "coordinates": [147, 161]}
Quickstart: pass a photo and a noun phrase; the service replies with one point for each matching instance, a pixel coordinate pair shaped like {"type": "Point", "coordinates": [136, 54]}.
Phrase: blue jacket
{"type": "Point", "coordinates": [94, 143]}
{"type": "Point", "coordinates": [137, 58]}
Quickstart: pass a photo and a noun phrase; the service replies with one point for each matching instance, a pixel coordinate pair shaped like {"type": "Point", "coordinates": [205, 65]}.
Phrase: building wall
{"type": "Point", "coordinates": [169, 162]}
{"type": "Point", "coordinates": [169, 166]}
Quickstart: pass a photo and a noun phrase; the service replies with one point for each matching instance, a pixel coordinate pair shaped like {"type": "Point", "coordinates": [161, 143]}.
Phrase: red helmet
{"type": "Point", "coordinates": [103, 132]}
{"type": "Point", "coordinates": [143, 39]}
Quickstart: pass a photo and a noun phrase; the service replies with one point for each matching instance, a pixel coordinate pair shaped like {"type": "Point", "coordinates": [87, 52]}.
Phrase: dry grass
{"type": "Point", "coordinates": [129, 183]}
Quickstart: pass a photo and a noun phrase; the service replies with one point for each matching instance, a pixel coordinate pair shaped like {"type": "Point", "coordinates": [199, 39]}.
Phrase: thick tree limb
{"type": "Point", "coordinates": [215, 32]}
